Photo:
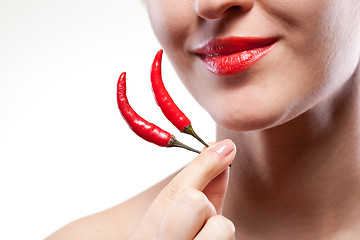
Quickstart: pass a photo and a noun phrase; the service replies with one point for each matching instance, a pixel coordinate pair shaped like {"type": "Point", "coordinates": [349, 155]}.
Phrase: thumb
{"type": "Point", "coordinates": [216, 190]}
{"type": "Point", "coordinates": [217, 187]}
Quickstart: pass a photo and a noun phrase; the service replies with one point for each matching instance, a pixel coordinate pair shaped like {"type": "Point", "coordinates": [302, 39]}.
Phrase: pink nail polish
{"type": "Point", "coordinates": [224, 147]}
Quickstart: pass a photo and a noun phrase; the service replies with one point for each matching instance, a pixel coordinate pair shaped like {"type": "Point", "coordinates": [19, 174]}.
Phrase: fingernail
{"type": "Point", "coordinates": [224, 147]}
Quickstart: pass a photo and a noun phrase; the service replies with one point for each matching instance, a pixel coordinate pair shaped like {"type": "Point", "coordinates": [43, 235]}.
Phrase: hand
{"type": "Point", "coordinates": [190, 206]}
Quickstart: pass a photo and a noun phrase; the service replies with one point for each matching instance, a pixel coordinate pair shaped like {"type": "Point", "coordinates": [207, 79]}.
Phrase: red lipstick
{"type": "Point", "coordinates": [233, 54]}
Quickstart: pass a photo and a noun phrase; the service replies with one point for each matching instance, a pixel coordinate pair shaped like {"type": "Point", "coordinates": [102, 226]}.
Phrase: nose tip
{"type": "Point", "coordinates": [213, 9]}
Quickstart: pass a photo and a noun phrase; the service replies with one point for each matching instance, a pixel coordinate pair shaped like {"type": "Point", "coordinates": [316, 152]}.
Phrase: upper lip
{"type": "Point", "coordinates": [233, 44]}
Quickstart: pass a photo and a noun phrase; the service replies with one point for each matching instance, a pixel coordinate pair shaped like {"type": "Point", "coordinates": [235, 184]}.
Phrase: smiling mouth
{"type": "Point", "coordinates": [234, 54]}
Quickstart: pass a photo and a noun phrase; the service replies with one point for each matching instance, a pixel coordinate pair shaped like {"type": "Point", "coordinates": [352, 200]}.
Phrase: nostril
{"type": "Point", "coordinates": [213, 9]}
{"type": "Point", "coordinates": [233, 9]}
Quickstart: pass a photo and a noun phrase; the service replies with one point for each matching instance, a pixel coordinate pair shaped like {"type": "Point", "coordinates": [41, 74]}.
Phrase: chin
{"type": "Point", "coordinates": [257, 116]}
{"type": "Point", "coordinates": [242, 120]}
{"type": "Point", "coordinates": [240, 125]}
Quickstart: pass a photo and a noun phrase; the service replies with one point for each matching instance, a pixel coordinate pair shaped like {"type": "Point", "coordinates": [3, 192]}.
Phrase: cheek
{"type": "Point", "coordinates": [337, 39]}
{"type": "Point", "coordinates": [172, 21]}
{"type": "Point", "coordinates": [323, 31]}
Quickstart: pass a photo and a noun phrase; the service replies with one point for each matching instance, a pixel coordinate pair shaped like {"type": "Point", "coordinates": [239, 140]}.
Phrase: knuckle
{"type": "Point", "coordinates": [195, 198]}
{"type": "Point", "coordinates": [223, 224]}
{"type": "Point", "coordinates": [170, 192]}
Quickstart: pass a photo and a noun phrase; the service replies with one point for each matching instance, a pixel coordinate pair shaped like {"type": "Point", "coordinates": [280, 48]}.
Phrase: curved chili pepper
{"type": "Point", "coordinates": [165, 102]}
{"type": "Point", "coordinates": [144, 129]}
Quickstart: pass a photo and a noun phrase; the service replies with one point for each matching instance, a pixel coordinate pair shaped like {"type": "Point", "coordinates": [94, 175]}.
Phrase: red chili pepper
{"type": "Point", "coordinates": [165, 102]}
{"type": "Point", "coordinates": [144, 129]}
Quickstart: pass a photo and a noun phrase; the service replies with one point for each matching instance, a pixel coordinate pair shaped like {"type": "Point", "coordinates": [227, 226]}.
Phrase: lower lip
{"type": "Point", "coordinates": [236, 62]}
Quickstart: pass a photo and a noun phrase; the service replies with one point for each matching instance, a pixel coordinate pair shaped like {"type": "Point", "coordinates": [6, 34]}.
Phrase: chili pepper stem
{"type": "Point", "coordinates": [175, 143]}
{"type": "Point", "coordinates": [189, 130]}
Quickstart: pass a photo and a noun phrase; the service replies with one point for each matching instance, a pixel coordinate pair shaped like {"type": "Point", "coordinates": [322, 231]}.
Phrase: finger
{"type": "Point", "coordinates": [216, 190]}
{"type": "Point", "coordinates": [186, 215]}
{"type": "Point", "coordinates": [217, 227]}
{"type": "Point", "coordinates": [197, 174]}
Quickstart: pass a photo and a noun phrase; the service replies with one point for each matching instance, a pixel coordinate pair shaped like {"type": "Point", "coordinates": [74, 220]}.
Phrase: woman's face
{"type": "Point", "coordinates": [271, 60]}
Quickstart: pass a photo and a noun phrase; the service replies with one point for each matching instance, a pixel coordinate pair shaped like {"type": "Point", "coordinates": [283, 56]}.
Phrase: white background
{"type": "Point", "coordinates": [65, 151]}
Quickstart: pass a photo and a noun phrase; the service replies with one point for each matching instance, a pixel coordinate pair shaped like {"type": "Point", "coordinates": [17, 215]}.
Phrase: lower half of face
{"type": "Point", "coordinates": [315, 49]}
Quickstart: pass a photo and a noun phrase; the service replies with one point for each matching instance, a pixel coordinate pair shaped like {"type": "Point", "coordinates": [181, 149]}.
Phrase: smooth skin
{"type": "Point", "coordinates": [184, 206]}
{"type": "Point", "coordinates": [294, 117]}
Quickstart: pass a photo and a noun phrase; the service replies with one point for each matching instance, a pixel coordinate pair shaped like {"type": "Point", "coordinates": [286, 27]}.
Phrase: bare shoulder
{"type": "Point", "coordinates": [114, 223]}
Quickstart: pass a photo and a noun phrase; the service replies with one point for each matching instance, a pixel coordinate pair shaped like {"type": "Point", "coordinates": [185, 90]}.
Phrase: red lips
{"type": "Point", "coordinates": [233, 54]}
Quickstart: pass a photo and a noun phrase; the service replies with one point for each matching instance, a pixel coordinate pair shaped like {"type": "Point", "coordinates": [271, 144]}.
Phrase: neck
{"type": "Point", "coordinates": [303, 176]}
